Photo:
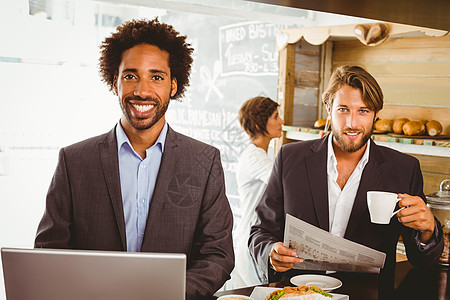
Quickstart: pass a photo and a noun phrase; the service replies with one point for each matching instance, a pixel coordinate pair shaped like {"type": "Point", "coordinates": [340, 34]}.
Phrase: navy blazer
{"type": "Point", "coordinates": [189, 212]}
{"type": "Point", "coordinates": [298, 186]}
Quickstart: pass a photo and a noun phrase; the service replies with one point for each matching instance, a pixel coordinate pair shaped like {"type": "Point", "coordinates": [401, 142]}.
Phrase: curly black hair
{"type": "Point", "coordinates": [135, 32]}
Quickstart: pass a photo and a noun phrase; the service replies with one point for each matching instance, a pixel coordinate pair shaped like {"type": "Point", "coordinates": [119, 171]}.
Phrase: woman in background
{"type": "Point", "coordinates": [260, 119]}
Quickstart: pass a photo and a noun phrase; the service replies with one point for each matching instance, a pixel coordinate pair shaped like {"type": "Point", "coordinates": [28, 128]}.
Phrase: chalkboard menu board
{"type": "Point", "coordinates": [248, 49]}
{"type": "Point", "coordinates": [233, 61]}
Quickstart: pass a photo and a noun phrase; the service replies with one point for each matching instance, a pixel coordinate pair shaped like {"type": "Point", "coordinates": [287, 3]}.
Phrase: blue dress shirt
{"type": "Point", "coordinates": [137, 181]}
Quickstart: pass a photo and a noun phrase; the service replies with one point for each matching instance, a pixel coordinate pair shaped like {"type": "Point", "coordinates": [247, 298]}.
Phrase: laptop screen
{"type": "Point", "coordinates": [35, 274]}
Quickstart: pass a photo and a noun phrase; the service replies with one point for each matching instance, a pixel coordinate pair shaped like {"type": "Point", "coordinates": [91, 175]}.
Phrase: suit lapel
{"type": "Point", "coordinates": [371, 179]}
{"type": "Point", "coordinates": [110, 164]}
{"type": "Point", "coordinates": [166, 171]}
{"type": "Point", "coordinates": [316, 166]}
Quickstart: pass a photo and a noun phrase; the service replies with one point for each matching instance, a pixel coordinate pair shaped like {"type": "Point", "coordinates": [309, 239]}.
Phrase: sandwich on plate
{"type": "Point", "coordinates": [300, 293]}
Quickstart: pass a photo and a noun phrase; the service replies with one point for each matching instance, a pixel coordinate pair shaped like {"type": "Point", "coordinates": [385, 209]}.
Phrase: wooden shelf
{"type": "Point", "coordinates": [407, 145]}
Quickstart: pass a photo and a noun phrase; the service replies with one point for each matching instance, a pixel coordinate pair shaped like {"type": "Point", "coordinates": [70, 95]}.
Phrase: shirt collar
{"type": "Point", "coordinates": [332, 158]}
{"type": "Point", "coordinates": [122, 137]}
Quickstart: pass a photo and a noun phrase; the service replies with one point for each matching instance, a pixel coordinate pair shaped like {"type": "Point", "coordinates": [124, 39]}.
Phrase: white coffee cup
{"type": "Point", "coordinates": [381, 206]}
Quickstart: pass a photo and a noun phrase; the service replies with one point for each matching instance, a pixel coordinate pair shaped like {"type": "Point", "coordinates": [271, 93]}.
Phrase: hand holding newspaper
{"type": "Point", "coordinates": [324, 251]}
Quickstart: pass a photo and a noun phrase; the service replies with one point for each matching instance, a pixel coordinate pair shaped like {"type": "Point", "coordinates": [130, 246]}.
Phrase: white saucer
{"type": "Point", "coordinates": [326, 283]}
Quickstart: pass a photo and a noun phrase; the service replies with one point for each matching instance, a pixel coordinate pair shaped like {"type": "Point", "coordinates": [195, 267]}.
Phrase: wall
{"type": "Point", "coordinates": [307, 80]}
{"type": "Point", "coordinates": [414, 73]}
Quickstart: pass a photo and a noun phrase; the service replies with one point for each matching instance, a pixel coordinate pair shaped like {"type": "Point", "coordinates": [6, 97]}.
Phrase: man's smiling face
{"type": "Point", "coordinates": [351, 120]}
{"type": "Point", "coordinates": [144, 86]}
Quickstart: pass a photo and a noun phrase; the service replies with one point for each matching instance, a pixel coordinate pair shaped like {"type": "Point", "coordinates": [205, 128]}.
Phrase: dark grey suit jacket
{"type": "Point", "coordinates": [189, 212]}
{"type": "Point", "coordinates": [298, 186]}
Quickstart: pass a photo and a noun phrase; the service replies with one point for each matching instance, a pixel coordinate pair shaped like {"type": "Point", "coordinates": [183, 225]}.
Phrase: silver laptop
{"type": "Point", "coordinates": [50, 274]}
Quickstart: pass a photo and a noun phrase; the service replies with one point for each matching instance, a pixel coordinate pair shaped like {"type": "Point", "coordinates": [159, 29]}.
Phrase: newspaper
{"type": "Point", "coordinates": [324, 251]}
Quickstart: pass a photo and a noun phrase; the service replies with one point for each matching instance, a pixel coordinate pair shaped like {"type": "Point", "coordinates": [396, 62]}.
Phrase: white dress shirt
{"type": "Point", "coordinates": [137, 182]}
{"type": "Point", "coordinates": [340, 202]}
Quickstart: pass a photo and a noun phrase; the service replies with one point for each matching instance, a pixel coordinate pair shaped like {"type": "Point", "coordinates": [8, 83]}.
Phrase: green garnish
{"type": "Point", "coordinates": [320, 292]}
{"type": "Point", "coordinates": [277, 296]}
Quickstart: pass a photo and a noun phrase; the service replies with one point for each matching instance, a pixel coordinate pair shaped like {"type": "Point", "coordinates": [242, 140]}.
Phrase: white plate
{"type": "Point", "coordinates": [326, 283]}
{"type": "Point", "coordinates": [260, 293]}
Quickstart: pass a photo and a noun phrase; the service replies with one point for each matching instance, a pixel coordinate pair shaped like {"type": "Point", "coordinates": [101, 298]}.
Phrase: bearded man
{"type": "Point", "coordinates": [142, 186]}
{"type": "Point", "coordinates": [325, 181]}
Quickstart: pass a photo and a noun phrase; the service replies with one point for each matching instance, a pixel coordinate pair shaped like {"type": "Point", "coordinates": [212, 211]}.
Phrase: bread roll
{"type": "Point", "coordinates": [423, 122]}
{"type": "Point", "coordinates": [320, 123]}
{"type": "Point", "coordinates": [414, 128]}
{"type": "Point", "coordinates": [376, 33]}
{"type": "Point", "coordinates": [433, 127]}
{"type": "Point", "coordinates": [360, 32]}
{"type": "Point", "coordinates": [383, 125]}
{"type": "Point", "coordinates": [398, 125]}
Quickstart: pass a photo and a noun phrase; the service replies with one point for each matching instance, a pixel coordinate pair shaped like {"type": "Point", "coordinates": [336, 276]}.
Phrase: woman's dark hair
{"type": "Point", "coordinates": [255, 113]}
{"type": "Point", "coordinates": [161, 35]}
{"type": "Point", "coordinates": [355, 77]}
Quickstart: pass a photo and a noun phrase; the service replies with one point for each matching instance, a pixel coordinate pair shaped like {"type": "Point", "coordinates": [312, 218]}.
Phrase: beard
{"type": "Point", "coordinates": [351, 146]}
{"type": "Point", "coordinates": [160, 108]}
